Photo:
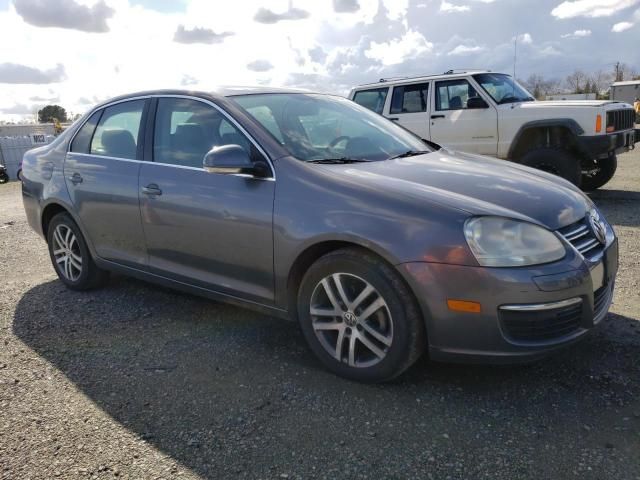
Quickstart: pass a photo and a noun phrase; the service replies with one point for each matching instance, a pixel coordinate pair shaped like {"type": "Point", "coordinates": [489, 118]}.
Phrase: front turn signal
{"type": "Point", "coordinates": [598, 123]}
{"type": "Point", "coordinates": [464, 306]}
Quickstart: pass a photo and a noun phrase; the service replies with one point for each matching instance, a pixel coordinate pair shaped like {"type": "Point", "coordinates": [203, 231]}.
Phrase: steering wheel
{"type": "Point", "coordinates": [336, 141]}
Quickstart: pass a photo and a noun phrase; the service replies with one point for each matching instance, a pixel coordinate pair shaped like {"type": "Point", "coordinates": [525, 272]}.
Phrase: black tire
{"type": "Point", "coordinates": [89, 276]}
{"type": "Point", "coordinates": [600, 173]}
{"type": "Point", "coordinates": [556, 161]}
{"type": "Point", "coordinates": [4, 178]}
{"type": "Point", "coordinates": [407, 336]}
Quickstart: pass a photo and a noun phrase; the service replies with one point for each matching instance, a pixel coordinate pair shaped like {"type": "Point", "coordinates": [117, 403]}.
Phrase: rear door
{"type": "Point", "coordinates": [206, 229]}
{"type": "Point", "coordinates": [101, 173]}
{"type": "Point", "coordinates": [409, 107]}
{"type": "Point", "coordinates": [455, 125]}
{"type": "Point", "coordinates": [374, 98]}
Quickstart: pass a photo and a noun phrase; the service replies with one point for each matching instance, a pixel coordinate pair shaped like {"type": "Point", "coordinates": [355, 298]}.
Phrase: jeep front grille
{"type": "Point", "coordinates": [620, 119]}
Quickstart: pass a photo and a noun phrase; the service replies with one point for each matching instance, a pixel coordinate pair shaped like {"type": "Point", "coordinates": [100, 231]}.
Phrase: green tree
{"type": "Point", "coordinates": [50, 113]}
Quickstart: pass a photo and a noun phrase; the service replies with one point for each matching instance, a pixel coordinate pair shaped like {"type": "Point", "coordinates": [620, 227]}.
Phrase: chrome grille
{"type": "Point", "coordinates": [581, 236]}
{"type": "Point", "coordinates": [620, 119]}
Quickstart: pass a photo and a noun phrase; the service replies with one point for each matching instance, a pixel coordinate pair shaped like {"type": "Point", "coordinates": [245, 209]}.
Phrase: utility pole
{"type": "Point", "coordinates": [515, 52]}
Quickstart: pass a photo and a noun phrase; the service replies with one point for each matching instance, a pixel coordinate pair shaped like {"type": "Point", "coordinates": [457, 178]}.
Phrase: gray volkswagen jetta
{"type": "Point", "coordinates": [311, 207]}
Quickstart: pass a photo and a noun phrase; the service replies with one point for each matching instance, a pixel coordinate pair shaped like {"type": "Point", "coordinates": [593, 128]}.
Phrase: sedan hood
{"type": "Point", "coordinates": [475, 184]}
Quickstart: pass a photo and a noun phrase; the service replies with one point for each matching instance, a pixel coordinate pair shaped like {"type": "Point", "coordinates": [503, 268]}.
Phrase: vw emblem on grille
{"type": "Point", "coordinates": [597, 226]}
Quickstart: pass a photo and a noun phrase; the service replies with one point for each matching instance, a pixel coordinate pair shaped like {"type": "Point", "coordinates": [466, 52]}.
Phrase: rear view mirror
{"type": "Point", "coordinates": [476, 102]}
{"type": "Point", "coordinates": [230, 159]}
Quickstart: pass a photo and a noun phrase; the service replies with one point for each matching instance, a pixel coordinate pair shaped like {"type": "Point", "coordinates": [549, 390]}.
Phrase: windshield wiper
{"type": "Point", "coordinates": [410, 153]}
{"type": "Point", "coordinates": [335, 161]}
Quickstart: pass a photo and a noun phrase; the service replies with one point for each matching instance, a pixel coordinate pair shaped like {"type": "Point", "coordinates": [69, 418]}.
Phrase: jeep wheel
{"type": "Point", "coordinates": [556, 161]}
{"type": "Point", "coordinates": [599, 174]}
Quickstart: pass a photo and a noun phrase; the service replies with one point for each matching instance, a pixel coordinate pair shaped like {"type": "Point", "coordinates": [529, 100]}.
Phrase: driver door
{"type": "Point", "coordinates": [455, 125]}
{"type": "Point", "coordinates": [206, 229]}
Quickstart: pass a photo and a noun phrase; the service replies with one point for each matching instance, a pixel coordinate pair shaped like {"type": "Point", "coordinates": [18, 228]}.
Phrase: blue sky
{"type": "Point", "coordinates": [77, 52]}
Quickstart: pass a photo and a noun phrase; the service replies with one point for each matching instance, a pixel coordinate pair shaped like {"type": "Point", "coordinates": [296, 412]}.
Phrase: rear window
{"type": "Point", "coordinates": [372, 99]}
{"type": "Point", "coordinates": [82, 140]}
{"type": "Point", "coordinates": [410, 98]}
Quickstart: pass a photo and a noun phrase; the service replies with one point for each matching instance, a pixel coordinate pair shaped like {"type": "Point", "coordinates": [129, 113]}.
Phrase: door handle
{"type": "Point", "coordinates": [437, 116]}
{"type": "Point", "coordinates": [76, 178]}
{"type": "Point", "coordinates": [393, 119]}
{"type": "Point", "coordinates": [152, 189]}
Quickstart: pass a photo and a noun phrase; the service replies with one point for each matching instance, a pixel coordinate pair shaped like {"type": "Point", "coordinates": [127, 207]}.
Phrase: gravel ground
{"type": "Point", "coordinates": [135, 381]}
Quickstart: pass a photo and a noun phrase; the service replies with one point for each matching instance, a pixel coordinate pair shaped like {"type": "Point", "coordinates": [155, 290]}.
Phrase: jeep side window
{"type": "Point", "coordinates": [372, 99]}
{"type": "Point", "coordinates": [453, 94]}
{"type": "Point", "coordinates": [410, 98]}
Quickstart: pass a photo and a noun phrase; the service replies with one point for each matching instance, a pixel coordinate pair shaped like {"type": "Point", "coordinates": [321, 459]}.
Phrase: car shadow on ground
{"type": "Point", "coordinates": [619, 206]}
{"type": "Point", "coordinates": [221, 389]}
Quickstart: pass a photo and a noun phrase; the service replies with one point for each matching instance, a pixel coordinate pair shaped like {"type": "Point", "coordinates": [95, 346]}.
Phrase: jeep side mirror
{"type": "Point", "coordinates": [230, 159]}
{"type": "Point", "coordinates": [476, 102]}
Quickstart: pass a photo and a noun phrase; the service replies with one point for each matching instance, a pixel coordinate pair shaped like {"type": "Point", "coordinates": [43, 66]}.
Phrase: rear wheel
{"type": "Point", "coordinates": [556, 161]}
{"type": "Point", "coordinates": [600, 173]}
{"type": "Point", "coordinates": [70, 256]}
{"type": "Point", "coordinates": [359, 317]}
{"type": "Point", "coordinates": [4, 178]}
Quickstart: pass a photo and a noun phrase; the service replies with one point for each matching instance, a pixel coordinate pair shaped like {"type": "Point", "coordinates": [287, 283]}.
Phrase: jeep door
{"type": "Point", "coordinates": [101, 173]}
{"type": "Point", "coordinates": [206, 229]}
{"type": "Point", "coordinates": [457, 124]}
{"type": "Point", "coordinates": [409, 107]}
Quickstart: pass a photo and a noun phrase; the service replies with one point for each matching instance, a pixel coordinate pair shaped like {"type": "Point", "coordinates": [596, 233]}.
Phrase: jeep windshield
{"type": "Point", "coordinates": [329, 129]}
{"type": "Point", "coordinates": [502, 88]}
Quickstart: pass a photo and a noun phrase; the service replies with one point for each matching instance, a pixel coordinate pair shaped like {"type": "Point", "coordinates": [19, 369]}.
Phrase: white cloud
{"type": "Point", "coordinates": [524, 38]}
{"type": "Point", "coordinates": [621, 27]}
{"type": "Point", "coordinates": [464, 49]}
{"type": "Point", "coordinates": [549, 51]}
{"type": "Point", "coordinates": [410, 45]}
{"type": "Point", "coordinates": [447, 7]}
{"type": "Point", "coordinates": [591, 8]}
{"type": "Point", "coordinates": [577, 34]}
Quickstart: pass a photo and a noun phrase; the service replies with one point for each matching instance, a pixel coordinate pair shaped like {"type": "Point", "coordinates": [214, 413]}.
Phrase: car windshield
{"type": "Point", "coordinates": [502, 88]}
{"type": "Point", "coordinates": [316, 127]}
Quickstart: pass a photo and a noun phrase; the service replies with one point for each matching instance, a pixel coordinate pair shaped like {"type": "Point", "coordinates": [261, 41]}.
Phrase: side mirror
{"type": "Point", "coordinates": [476, 102]}
{"type": "Point", "coordinates": [230, 159]}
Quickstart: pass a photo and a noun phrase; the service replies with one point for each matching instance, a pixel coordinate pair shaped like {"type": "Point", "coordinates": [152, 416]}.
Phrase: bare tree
{"type": "Point", "coordinates": [577, 81]}
{"type": "Point", "coordinates": [601, 81]}
{"type": "Point", "coordinates": [540, 87]}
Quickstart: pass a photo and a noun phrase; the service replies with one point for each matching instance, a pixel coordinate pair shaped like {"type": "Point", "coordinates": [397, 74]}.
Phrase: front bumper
{"type": "Point", "coordinates": [526, 313]}
{"type": "Point", "coordinates": [602, 146]}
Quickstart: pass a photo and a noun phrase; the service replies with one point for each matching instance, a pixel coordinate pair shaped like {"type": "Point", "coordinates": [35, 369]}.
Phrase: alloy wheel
{"type": "Point", "coordinates": [351, 320]}
{"type": "Point", "coordinates": [66, 252]}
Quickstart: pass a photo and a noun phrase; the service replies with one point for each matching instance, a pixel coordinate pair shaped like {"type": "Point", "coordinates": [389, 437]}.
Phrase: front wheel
{"type": "Point", "coordinates": [359, 317]}
{"type": "Point", "coordinates": [553, 160]}
{"type": "Point", "coordinates": [4, 178]}
{"type": "Point", "coordinates": [70, 256]}
{"type": "Point", "coordinates": [600, 173]}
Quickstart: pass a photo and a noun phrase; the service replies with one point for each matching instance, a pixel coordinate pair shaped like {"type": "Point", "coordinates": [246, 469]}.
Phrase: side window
{"type": "Point", "coordinates": [453, 94]}
{"type": "Point", "coordinates": [185, 130]}
{"type": "Point", "coordinates": [117, 131]}
{"type": "Point", "coordinates": [81, 142]}
{"type": "Point", "coordinates": [410, 98]}
{"type": "Point", "coordinates": [372, 99]}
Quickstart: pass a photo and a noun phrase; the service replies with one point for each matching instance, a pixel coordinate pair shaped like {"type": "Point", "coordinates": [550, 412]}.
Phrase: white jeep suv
{"type": "Point", "coordinates": [491, 114]}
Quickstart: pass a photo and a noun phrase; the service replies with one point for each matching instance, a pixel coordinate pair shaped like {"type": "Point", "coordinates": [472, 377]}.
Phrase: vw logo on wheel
{"type": "Point", "coordinates": [597, 226]}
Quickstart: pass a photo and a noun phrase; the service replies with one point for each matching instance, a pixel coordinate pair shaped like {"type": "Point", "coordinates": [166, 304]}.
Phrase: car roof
{"type": "Point", "coordinates": [222, 91]}
{"type": "Point", "coordinates": [395, 80]}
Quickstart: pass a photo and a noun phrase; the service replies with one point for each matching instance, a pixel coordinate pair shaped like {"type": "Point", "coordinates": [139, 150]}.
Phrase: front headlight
{"type": "Point", "coordinates": [502, 242]}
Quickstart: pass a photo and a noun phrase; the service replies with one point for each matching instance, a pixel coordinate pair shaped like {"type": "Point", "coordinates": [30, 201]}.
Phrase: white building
{"type": "Point", "coordinates": [625, 91]}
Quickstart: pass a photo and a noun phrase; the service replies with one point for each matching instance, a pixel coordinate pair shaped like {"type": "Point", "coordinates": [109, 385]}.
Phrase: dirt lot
{"type": "Point", "coordinates": [135, 381]}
